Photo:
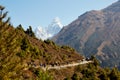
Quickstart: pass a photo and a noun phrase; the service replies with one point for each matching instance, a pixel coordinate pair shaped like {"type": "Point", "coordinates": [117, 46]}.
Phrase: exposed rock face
{"type": "Point", "coordinates": [95, 33]}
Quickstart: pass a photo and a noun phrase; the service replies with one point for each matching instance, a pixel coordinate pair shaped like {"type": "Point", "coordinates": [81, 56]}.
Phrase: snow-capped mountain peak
{"type": "Point", "coordinates": [52, 29]}
{"type": "Point", "coordinates": [57, 22]}
{"type": "Point", "coordinates": [40, 33]}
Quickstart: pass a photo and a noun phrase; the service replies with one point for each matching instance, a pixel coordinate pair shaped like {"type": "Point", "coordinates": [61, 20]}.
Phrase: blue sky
{"type": "Point", "coordinates": [42, 12]}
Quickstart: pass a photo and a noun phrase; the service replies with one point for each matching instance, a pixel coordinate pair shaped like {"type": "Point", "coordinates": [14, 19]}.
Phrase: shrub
{"type": "Point", "coordinates": [30, 32]}
{"type": "Point", "coordinates": [24, 44]}
{"type": "Point", "coordinates": [43, 75]}
{"type": "Point", "coordinates": [68, 48]}
{"type": "Point", "coordinates": [49, 42]}
{"type": "Point", "coordinates": [21, 54]}
{"type": "Point", "coordinates": [19, 27]}
{"type": "Point", "coordinates": [115, 74]}
{"type": "Point", "coordinates": [75, 77]}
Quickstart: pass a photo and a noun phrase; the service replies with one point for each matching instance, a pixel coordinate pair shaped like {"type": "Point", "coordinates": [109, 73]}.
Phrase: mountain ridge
{"type": "Point", "coordinates": [96, 32]}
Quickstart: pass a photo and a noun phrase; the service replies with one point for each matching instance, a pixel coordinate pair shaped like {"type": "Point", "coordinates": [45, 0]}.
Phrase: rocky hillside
{"type": "Point", "coordinates": [20, 52]}
{"type": "Point", "coordinates": [95, 33]}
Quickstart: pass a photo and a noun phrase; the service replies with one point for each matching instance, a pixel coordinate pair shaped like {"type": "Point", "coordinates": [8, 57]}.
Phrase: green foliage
{"type": "Point", "coordinates": [3, 16]}
{"type": "Point", "coordinates": [67, 78]}
{"type": "Point", "coordinates": [21, 54]}
{"type": "Point", "coordinates": [91, 72]}
{"type": "Point", "coordinates": [43, 75]}
{"type": "Point", "coordinates": [64, 57]}
{"type": "Point", "coordinates": [88, 73]}
{"type": "Point", "coordinates": [49, 42]}
{"type": "Point", "coordinates": [115, 74]}
{"type": "Point", "coordinates": [19, 27]}
{"type": "Point", "coordinates": [68, 48]}
{"type": "Point", "coordinates": [44, 45]}
{"type": "Point", "coordinates": [36, 51]}
{"type": "Point", "coordinates": [104, 76]}
{"type": "Point", "coordinates": [75, 76]}
{"type": "Point", "coordinates": [24, 44]}
{"type": "Point", "coordinates": [30, 32]}
{"type": "Point", "coordinates": [95, 61]}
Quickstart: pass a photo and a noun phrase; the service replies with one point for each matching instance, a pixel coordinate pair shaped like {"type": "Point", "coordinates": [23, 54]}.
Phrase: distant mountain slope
{"type": "Point", "coordinates": [95, 33]}
{"type": "Point", "coordinates": [49, 31]}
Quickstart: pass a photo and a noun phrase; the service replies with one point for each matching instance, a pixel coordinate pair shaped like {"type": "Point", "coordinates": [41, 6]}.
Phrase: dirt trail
{"type": "Point", "coordinates": [66, 65]}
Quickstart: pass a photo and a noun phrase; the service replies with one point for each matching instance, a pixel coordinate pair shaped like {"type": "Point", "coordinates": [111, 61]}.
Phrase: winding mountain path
{"type": "Point", "coordinates": [66, 65]}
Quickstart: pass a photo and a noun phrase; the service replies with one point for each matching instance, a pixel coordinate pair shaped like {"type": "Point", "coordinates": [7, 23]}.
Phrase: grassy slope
{"type": "Point", "coordinates": [18, 49]}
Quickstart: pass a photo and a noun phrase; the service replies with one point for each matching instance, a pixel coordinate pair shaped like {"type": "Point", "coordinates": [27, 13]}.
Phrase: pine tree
{"type": "Point", "coordinates": [3, 16]}
{"type": "Point", "coordinates": [19, 27]}
{"type": "Point", "coordinates": [115, 74]}
{"type": "Point", "coordinates": [30, 32]}
{"type": "Point", "coordinates": [1, 11]}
